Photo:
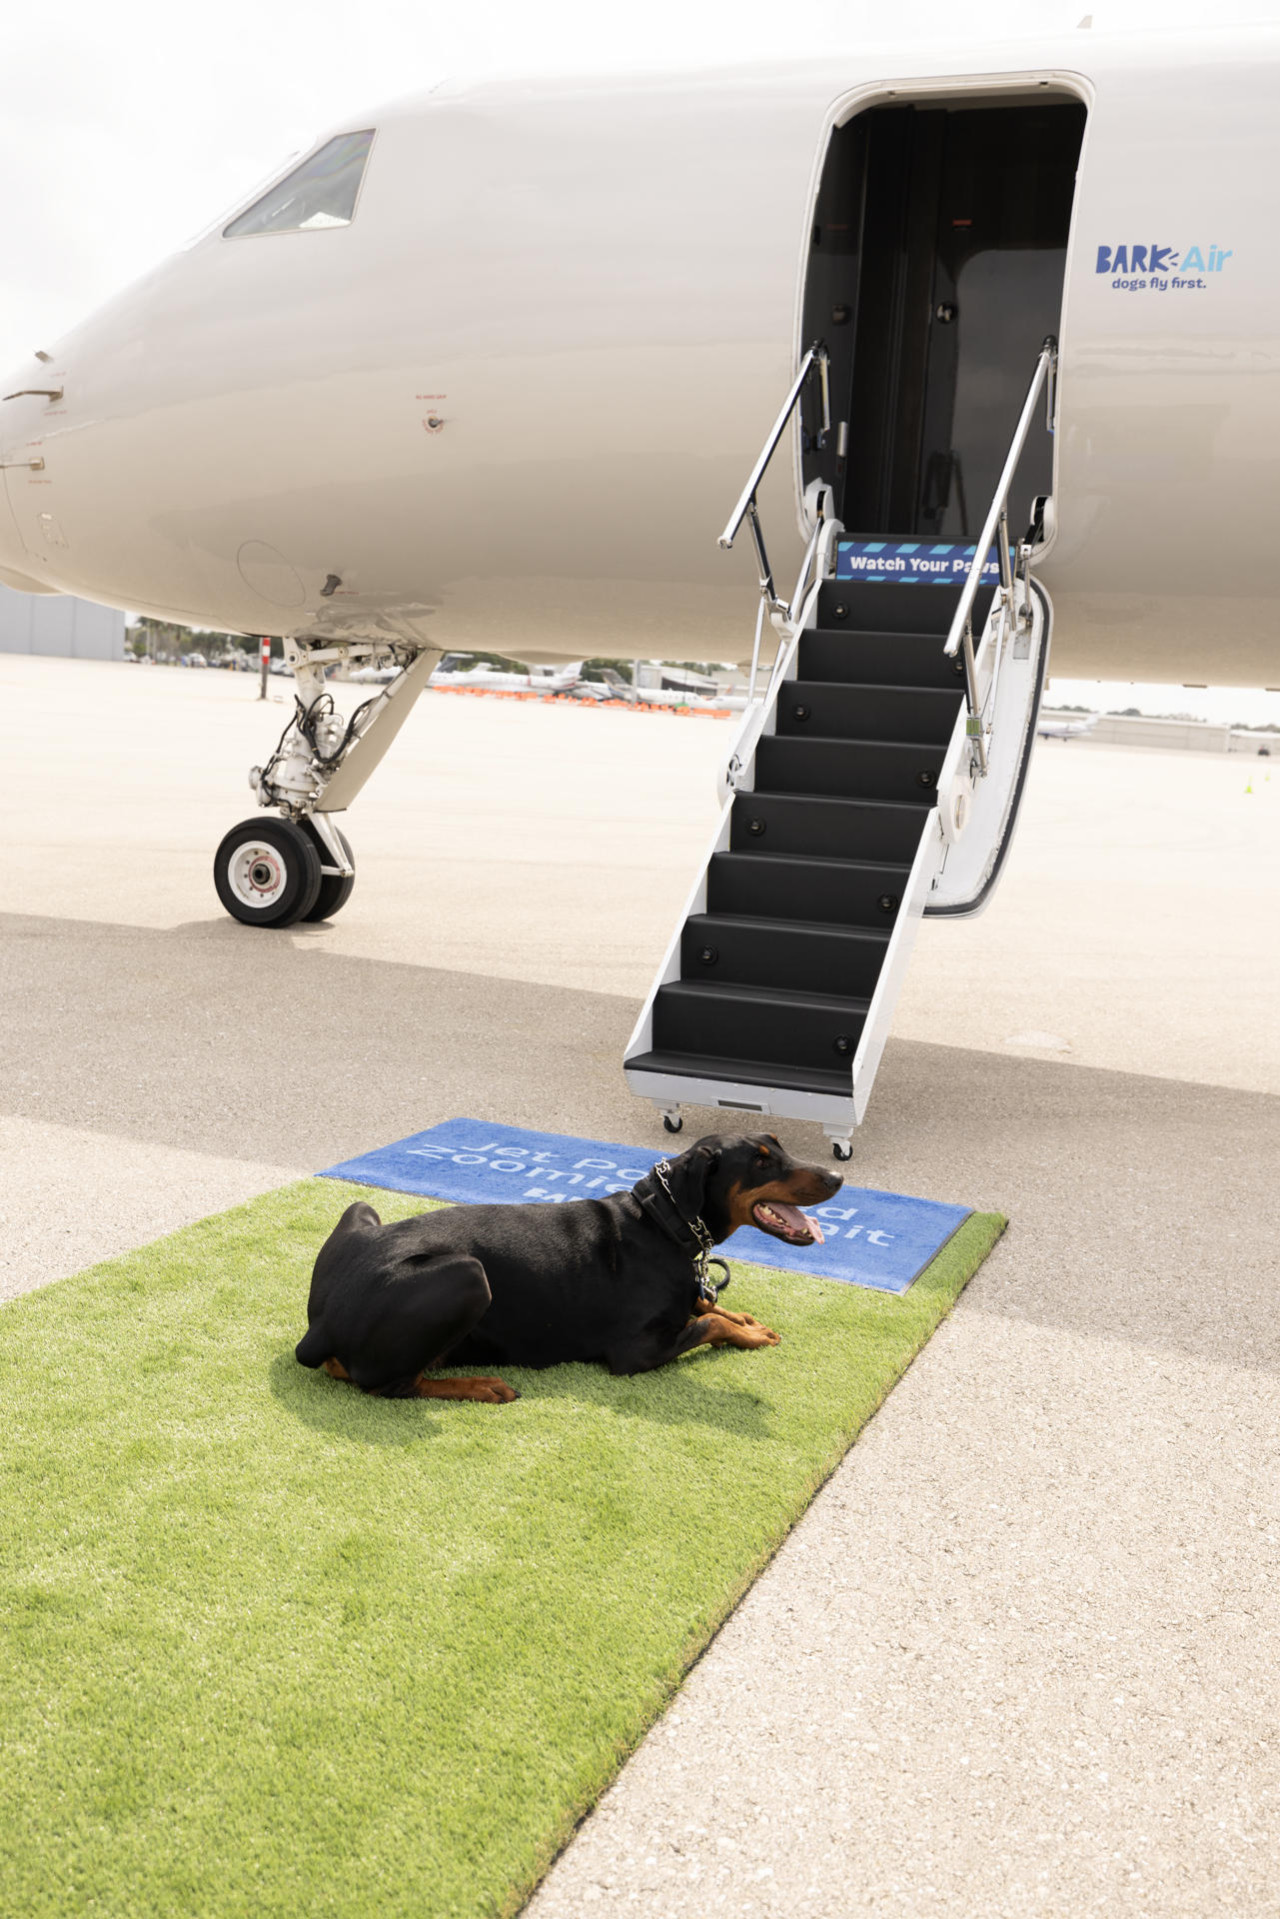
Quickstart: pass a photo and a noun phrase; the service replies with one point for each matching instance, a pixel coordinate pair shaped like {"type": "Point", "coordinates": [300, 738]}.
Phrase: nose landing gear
{"type": "Point", "coordinates": [275, 872]}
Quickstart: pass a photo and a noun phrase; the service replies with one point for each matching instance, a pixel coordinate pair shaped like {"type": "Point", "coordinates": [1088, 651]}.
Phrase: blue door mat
{"type": "Point", "coordinates": [881, 1240]}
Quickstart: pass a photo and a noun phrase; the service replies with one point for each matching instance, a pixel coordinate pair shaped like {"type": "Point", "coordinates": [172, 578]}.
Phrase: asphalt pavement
{"type": "Point", "coordinates": [1021, 1653]}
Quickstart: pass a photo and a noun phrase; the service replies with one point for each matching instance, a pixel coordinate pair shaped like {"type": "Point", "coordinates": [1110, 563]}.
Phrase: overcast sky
{"type": "Point", "coordinates": [125, 127]}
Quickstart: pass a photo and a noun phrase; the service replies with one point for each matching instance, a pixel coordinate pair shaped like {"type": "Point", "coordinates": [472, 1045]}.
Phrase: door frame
{"type": "Point", "coordinates": [1023, 85]}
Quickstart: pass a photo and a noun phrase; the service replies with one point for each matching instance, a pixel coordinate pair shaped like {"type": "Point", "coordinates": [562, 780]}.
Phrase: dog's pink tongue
{"type": "Point", "coordinates": [798, 1222]}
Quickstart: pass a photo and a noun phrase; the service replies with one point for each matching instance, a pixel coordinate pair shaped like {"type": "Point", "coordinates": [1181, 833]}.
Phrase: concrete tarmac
{"type": "Point", "coordinates": [1021, 1654]}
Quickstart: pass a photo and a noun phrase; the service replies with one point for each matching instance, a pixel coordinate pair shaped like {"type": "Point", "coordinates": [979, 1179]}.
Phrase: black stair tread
{"type": "Point", "coordinates": [834, 867]}
{"type": "Point", "coordinates": [870, 745]}
{"type": "Point", "coordinates": [901, 807]}
{"type": "Point", "coordinates": [839, 768]}
{"type": "Point", "coordinates": [899, 810]}
{"type": "Point", "coordinates": [830, 826]}
{"type": "Point", "coordinates": [878, 935]}
{"type": "Point", "coordinates": [875, 686]}
{"type": "Point", "coordinates": [882, 715]}
{"type": "Point", "coordinates": [843, 657]}
{"type": "Point", "coordinates": [926, 606]}
{"type": "Point", "coordinates": [857, 710]}
{"type": "Point", "coordinates": [746, 1072]}
{"type": "Point", "coordinates": [756, 947]}
{"type": "Point", "coordinates": [764, 996]}
{"type": "Point", "coordinates": [806, 738]}
{"type": "Point", "coordinates": [815, 889]}
{"type": "Point", "coordinates": [890, 635]}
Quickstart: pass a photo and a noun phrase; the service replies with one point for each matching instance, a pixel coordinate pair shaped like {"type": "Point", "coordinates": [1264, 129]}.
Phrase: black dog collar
{"type": "Point", "coordinates": [692, 1236]}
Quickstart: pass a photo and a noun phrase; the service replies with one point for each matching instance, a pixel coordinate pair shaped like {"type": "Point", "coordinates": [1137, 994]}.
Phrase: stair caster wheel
{"type": "Point", "coordinates": [673, 1122]}
{"type": "Point", "coordinates": [841, 1149]}
{"type": "Point", "coordinates": [267, 872]}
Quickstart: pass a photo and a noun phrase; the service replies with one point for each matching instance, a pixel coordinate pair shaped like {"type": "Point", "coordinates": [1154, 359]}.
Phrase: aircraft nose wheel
{"type": "Point", "coordinates": [267, 872]}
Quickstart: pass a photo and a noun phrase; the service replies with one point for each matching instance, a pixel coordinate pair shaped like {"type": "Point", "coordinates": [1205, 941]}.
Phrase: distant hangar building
{"type": "Point", "coordinates": [57, 624]}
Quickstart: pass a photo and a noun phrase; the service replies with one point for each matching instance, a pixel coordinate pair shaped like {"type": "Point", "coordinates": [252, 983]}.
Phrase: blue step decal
{"type": "Point", "coordinates": [881, 1240]}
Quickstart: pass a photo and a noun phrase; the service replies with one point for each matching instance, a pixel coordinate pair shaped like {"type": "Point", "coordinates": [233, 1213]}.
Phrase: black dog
{"type": "Point", "coordinates": [621, 1281]}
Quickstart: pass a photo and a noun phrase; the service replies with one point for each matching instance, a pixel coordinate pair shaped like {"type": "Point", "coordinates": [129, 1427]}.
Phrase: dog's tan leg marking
{"type": "Point", "coordinates": [490, 1392]}
{"type": "Point", "coordinates": [336, 1369]}
{"type": "Point", "coordinates": [722, 1312]}
{"type": "Point", "coordinates": [732, 1329]}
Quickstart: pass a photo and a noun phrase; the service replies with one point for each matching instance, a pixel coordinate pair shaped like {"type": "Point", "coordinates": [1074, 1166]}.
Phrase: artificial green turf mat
{"type": "Point", "coordinates": [272, 1647]}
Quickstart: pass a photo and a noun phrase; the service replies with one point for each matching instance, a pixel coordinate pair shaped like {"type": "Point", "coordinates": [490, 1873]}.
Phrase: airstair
{"type": "Point", "coordinates": [874, 779]}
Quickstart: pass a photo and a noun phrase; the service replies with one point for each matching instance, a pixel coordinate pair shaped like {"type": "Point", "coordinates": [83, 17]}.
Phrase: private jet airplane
{"type": "Point", "coordinates": [985, 339]}
{"type": "Point", "coordinates": [454, 671]}
{"type": "Point", "coordinates": [1055, 726]}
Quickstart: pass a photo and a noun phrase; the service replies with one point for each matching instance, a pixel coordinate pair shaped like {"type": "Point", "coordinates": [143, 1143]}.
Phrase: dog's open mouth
{"type": "Point", "coordinates": [786, 1222]}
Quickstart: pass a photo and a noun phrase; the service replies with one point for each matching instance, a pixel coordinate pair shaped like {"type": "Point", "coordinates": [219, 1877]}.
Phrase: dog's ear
{"type": "Point", "coordinates": [689, 1175]}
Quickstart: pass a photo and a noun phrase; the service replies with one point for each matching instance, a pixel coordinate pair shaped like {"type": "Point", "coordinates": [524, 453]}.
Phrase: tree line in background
{"type": "Point", "coordinates": [166, 642]}
{"type": "Point", "coordinates": [1192, 719]}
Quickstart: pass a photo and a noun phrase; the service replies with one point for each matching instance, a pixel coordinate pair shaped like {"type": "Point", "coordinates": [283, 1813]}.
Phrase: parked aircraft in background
{"type": "Point", "coordinates": [1058, 727]}
{"type": "Point", "coordinates": [487, 369]}
{"type": "Point", "coordinates": [456, 672]}
{"type": "Point", "coordinates": [453, 671]}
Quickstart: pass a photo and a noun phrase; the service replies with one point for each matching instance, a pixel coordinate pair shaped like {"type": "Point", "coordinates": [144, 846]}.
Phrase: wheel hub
{"type": "Point", "coordinates": [257, 874]}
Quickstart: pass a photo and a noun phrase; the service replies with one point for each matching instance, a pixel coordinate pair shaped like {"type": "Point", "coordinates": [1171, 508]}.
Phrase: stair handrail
{"type": "Point", "coordinates": [818, 565]}
{"type": "Point", "coordinates": [747, 508]}
{"type": "Point", "coordinates": [996, 526]}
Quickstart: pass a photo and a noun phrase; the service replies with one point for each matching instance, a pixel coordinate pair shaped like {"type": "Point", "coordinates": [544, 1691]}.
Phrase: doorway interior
{"type": "Point", "coordinates": [935, 272]}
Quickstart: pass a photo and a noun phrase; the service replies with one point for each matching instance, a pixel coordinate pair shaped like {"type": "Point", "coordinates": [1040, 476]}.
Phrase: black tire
{"type": "Point", "coordinates": [842, 1153]}
{"type": "Point", "coordinates": [335, 891]}
{"type": "Point", "coordinates": [267, 872]}
{"type": "Point", "coordinates": [672, 1125]}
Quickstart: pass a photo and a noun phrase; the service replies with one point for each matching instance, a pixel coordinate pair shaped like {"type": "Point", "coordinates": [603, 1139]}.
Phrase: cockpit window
{"type": "Point", "coordinates": [320, 193]}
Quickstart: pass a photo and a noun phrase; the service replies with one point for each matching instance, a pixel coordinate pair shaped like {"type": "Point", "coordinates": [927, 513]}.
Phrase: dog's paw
{"type": "Point", "coordinates": [740, 1319]}
{"type": "Point", "coordinates": [493, 1392]}
{"type": "Point", "coordinates": [487, 1392]}
{"type": "Point", "coordinates": [733, 1332]}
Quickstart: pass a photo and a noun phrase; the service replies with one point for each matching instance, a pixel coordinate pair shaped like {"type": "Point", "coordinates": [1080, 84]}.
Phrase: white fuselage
{"type": "Point", "coordinates": [511, 404]}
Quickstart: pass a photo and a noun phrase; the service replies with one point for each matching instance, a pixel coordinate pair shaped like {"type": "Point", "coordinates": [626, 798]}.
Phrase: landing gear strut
{"type": "Point", "coordinates": [336, 887]}
{"type": "Point", "coordinates": [275, 872]}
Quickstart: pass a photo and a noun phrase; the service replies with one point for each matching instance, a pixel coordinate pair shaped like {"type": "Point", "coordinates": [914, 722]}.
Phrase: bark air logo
{"type": "Point", "coordinates": [1152, 269]}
